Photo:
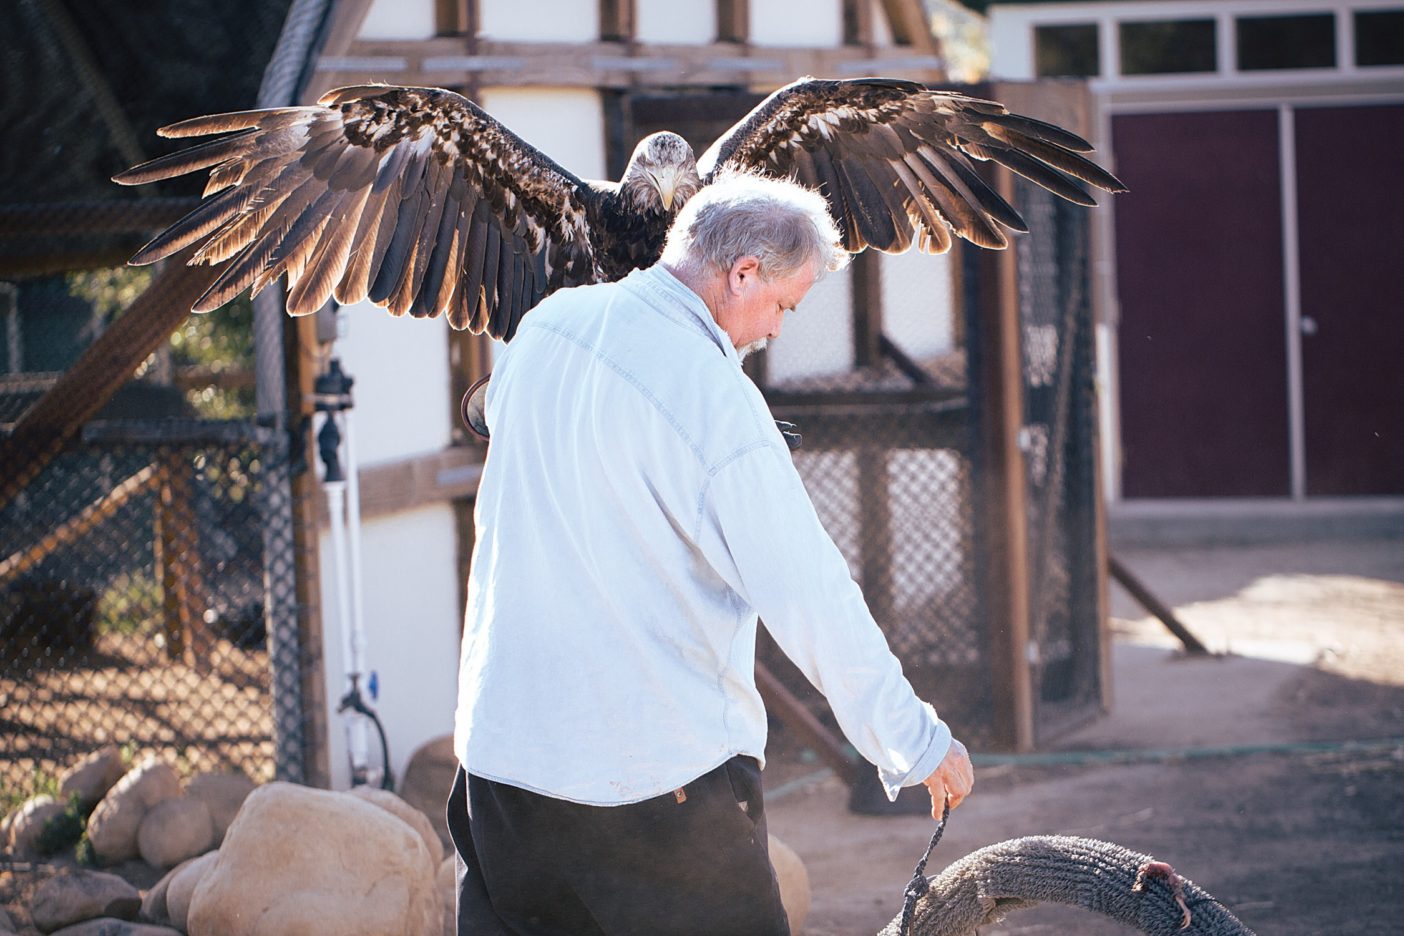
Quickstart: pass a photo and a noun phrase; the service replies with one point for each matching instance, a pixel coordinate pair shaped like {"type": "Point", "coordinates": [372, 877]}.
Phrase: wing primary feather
{"type": "Point", "coordinates": [203, 219]}
{"type": "Point", "coordinates": [954, 200]}
{"type": "Point", "coordinates": [866, 201]}
{"type": "Point", "coordinates": [1073, 164]}
{"type": "Point", "coordinates": [1039, 130]}
{"type": "Point", "coordinates": [373, 229]}
{"type": "Point", "coordinates": [979, 190]}
{"type": "Point", "coordinates": [1042, 175]}
{"type": "Point", "coordinates": [329, 261]}
{"type": "Point", "coordinates": [426, 299]}
{"type": "Point", "coordinates": [474, 262]}
{"type": "Point", "coordinates": [191, 159]}
{"type": "Point", "coordinates": [235, 120]}
{"type": "Point", "coordinates": [932, 228]}
{"type": "Point", "coordinates": [843, 213]}
{"type": "Point", "coordinates": [395, 264]}
{"type": "Point", "coordinates": [506, 286]}
{"type": "Point", "coordinates": [490, 257]}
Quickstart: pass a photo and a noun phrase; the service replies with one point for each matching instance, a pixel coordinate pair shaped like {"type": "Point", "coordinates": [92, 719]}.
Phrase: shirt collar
{"type": "Point", "coordinates": [684, 306]}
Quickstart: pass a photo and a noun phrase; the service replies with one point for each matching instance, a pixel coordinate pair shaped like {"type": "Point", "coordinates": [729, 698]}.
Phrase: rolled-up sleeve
{"type": "Point", "coordinates": [759, 530]}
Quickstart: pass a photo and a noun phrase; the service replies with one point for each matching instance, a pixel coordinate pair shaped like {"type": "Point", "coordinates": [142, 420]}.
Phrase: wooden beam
{"type": "Point", "coordinates": [733, 21]}
{"type": "Point", "coordinates": [451, 62]}
{"type": "Point", "coordinates": [105, 366]}
{"type": "Point", "coordinates": [618, 20]}
{"type": "Point", "coordinates": [867, 308]}
{"type": "Point", "coordinates": [1138, 590]}
{"type": "Point", "coordinates": [998, 383]}
{"type": "Point", "coordinates": [908, 22]}
{"type": "Point", "coordinates": [76, 527]}
{"type": "Point", "coordinates": [858, 23]}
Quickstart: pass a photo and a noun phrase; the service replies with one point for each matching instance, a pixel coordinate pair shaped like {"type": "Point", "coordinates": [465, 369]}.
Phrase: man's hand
{"type": "Point", "coordinates": [954, 777]}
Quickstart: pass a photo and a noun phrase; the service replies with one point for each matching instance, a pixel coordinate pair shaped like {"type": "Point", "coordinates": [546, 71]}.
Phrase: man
{"type": "Point", "coordinates": [637, 510]}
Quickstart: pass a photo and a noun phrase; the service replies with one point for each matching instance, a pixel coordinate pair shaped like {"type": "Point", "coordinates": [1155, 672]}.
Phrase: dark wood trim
{"type": "Point", "coordinates": [733, 21]}
{"type": "Point", "coordinates": [858, 23]}
{"type": "Point", "coordinates": [999, 384]}
{"type": "Point", "coordinates": [452, 61]}
{"type": "Point", "coordinates": [451, 17]}
{"type": "Point", "coordinates": [618, 20]}
{"type": "Point", "coordinates": [866, 309]}
{"type": "Point", "coordinates": [308, 505]}
{"type": "Point", "coordinates": [908, 23]}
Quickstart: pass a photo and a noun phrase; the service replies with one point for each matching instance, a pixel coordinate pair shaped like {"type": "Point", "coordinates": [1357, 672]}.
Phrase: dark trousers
{"type": "Point", "coordinates": [676, 865]}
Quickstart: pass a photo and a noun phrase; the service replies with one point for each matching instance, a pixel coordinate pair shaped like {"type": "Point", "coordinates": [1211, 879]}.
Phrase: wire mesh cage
{"type": "Point", "coordinates": [137, 585]}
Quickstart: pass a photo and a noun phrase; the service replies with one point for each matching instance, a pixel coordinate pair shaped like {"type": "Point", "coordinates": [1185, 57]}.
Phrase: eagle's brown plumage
{"type": "Point", "coordinates": [418, 200]}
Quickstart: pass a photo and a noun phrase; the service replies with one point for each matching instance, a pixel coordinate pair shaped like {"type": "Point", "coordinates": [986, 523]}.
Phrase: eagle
{"type": "Point", "coordinates": [420, 201]}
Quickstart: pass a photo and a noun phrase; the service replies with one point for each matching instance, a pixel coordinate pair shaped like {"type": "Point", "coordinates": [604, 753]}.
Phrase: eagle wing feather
{"type": "Point", "coordinates": [893, 159]}
{"type": "Point", "coordinates": [414, 198]}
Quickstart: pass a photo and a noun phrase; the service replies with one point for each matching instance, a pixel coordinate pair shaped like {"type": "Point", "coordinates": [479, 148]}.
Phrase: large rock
{"type": "Point", "coordinates": [427, 780]}
{"type": "Point", "coordinates": [93, 776]}
{"type": "Point", "coordinates": [298, 861]}
{"type": "Point", "coordinates": [397, 807]}
{"type": "Point", "coordinates": [794, 882]}
{"type": "Point", "coordinates": [113, 826]}
{"type": "Point", "coordinates": [174, 830]}
{"type": "Point", "coordinates": [181, 889]}
{"type": "Point", "coordinates": [222, 794]}
{"type": "Point", "coordinates": [111, 926]}
{"type": "Point", "coordinates": [7, 925]}
{"type": "Point", "coordinates": [447, 883]}
{"type": "Point", "coordinates": [24, 826]}
{"type": "Point", "coordinates": [65, 899]}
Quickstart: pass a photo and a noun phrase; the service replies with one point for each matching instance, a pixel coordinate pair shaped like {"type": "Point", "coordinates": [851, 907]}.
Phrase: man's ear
{"type": "Point", "coordinates": [745, 271]}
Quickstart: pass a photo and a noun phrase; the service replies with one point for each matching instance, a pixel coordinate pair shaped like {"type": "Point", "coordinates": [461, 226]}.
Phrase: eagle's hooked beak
{"type": "Point", "coordinates": [666, 182]}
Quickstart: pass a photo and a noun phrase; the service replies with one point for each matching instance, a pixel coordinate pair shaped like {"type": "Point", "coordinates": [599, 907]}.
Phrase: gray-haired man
{"type": "Point", "coordinates": [638, 510]}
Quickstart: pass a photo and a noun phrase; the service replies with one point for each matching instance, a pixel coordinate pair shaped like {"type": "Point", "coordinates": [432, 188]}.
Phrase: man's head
{"type": "Point", "coordinates": [751, 247]}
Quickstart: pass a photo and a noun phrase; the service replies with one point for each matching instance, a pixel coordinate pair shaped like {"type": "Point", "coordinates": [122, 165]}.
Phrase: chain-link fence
{"type": "Point", "coordinates": [137, 586]}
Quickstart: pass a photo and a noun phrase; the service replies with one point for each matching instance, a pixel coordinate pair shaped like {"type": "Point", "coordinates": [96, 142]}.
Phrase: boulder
{"type": "Point", "coordinates": [113, 826]}
{"type": "Point", "coordinates": [298, 860]}
{"type": "Point", "coordinates": [174, 830]}
{"type": "Point", "coordinates": [111, 926]}
{"type": "Point", "coordinates": [397, 807]}
{"type": "Point", "coordinates": [7, 925]}
{"type": "Point", "coordinates": [182, 888]}
{"type": "Point", "coordinates": [26, 824]}
{"type": "Point", "coordinates": [427, 780]}
{"type": "Point", "coordinates": [447, 884]}
{"type": "Point", "coordinates": [92, 777]}
{"type": "Point", "coordinates": [793, 880]}
{"type": "Point", "coordinates": [65, 899]}
{"type": "Point", "coordinates": [153, 902]}
{"type": "Point", "coordinates": [222, 794]}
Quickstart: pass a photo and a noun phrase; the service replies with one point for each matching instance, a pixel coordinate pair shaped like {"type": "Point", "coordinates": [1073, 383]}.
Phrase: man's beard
{"type": "Point", "coordinates": [746, 349]}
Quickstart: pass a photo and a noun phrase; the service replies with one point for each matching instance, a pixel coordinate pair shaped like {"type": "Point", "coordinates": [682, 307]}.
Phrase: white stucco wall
{"type": "Point", "coordinates": [918, 307]}
{"type": "Point", "coordinates": [398, 19]}
{"type": "Point", "coordinates": [816, 339]}
{"type": "Point", "coordinates": [401, 393]}
{"type": "Point", "coordinates": [787, 23]}
{"type": "Point", "coordinates": [669, 22]}
{"type": "Point", "coordinates": [566, 124]}
{"type": "Point", "coordinates": [540, 20]}
{"type": "Point", "coordinates": [412, 613]}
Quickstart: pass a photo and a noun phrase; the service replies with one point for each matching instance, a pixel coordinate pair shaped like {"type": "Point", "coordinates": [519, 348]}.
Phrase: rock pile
{"type": "Point", "coordinates": [255, 861]}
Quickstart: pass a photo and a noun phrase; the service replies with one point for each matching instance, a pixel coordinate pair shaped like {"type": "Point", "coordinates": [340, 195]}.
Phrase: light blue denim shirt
{"type": "Point", "coordinates": [637, 510]}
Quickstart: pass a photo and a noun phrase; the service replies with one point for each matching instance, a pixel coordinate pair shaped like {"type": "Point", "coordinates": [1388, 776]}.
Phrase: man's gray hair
{"type": "Point", "coordinates": [782, 224]}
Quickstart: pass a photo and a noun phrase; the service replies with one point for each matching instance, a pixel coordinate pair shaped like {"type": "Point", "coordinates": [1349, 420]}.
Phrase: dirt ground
{"type": "Point", "coordinates": [1238, 769]}
{"type": "Point", "coordinates": [1235, 769]}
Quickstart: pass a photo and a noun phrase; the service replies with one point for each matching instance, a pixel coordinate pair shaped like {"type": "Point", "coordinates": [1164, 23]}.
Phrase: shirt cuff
{"type": "Point", "coordinates": [926, 764]}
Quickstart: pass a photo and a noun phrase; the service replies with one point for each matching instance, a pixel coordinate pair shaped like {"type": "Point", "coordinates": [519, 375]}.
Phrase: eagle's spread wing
{"type": "Point", "coordinates": [893, 159]}
{"type": "Point", "coordinates": [413, 198]}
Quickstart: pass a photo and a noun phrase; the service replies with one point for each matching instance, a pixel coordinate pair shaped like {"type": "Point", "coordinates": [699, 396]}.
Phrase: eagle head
{"type": "Point", "coordinates": [662, 174]}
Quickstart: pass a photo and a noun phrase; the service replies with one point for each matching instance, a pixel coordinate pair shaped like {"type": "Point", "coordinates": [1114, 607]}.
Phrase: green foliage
{"type": "Point", "coordinates": [128, 604]}
{"type": "Point", "coordinates": [64, 830]}
{"type": "Point", "coordinates": [218, 342]}
{"type": "Point", "coordinates": [109, 291]}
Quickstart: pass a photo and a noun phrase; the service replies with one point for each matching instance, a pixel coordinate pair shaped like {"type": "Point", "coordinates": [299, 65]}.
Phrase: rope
{"type": "Point", "coordinates": [919, 885]}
